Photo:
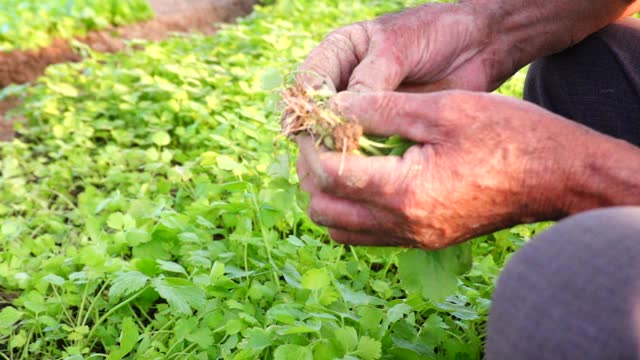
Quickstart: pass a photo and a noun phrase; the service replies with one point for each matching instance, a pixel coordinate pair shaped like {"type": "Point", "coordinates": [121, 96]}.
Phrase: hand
{"type": "Point", "coordinates": [431, 47]}
{"type": "Point", "coordinates": [482, 162]}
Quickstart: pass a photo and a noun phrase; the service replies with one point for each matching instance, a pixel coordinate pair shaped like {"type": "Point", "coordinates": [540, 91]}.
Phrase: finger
{"type": "Point", "coordinates": [310, 157]}
{"type": "Point", "coordinates": [366, 239]}
{"type": "Point", "coordinates": [418, 117]}
{"type": "Point", "coordinates": [304, 175]}
{"type": "Point", "coordinates": [465, 77]}
{"type": "Point", "coordinates": [372, 179]}
{"type": "Point", "coordinates": [380, 70]}
{"type": "Point", "coordinates": [335, 58]}
{"type": "Point", "coordinates": [334, 212]}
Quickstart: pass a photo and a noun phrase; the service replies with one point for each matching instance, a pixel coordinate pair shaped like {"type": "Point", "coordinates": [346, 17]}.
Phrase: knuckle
{"type": "Point", "coordinates": [408, 185]}
{"type": "Point", "coordinates": [447, 113]}
{"type": "Point", "coordinates": [408, 212]}
{"type": "Point", "coordinates": [451, 101]}
{"type": "Point", "coordinates": [340, 39]}
{"type": "Point", "coordinates": [427, 241]}
{"type": "Point", "coordinates": [384, 104]}
{"type": "Point", "coordinates": [429, 235]}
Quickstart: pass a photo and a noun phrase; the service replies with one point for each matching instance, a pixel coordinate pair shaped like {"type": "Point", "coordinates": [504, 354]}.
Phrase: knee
{"type": "Point", "coordinates": [570, 289]}
{"type": "Point", "coordinates": [602, 240]}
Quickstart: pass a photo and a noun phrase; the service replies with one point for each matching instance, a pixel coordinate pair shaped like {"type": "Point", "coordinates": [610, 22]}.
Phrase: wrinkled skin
{"type": "Point", "coordinates": [465, 177]}
{"type": "Point", "coordinates": [428, 48]}
{"type": "Point", "coordinates": [482, 162]}
{"type": "Point", "coordinates": [432, 47]}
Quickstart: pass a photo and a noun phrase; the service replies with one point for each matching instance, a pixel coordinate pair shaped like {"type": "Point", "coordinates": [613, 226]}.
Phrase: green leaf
{"type": "Point", "coordinates": [271, 79]}
{"type": "Point", "coordinates": [54, 279]}
{"type": "Point", "coordinates": [171, 267]}
{"type": "Point", "coordinates": [292, 352]}
{"type": "Point", "coordinates": [398, 311]}
{"type": "Point", "coordinates": [316, 279]}
{"type": "Point", "coordinates": [127, 283]}
{"type": "Point", "coordinates": [258, 338]}
{"type": "Point", "coordinates": [9, 316]}
{"type": "Point", "coordinates": [120, 221]}
{"type": "Point", "coordinates": [202, 336]}
{"type": "Point", "coordinates": [286, 313]}
{"type": "Point", "coordinates": [129, 335]}
{"type": "Point", "coordinates": [325, 350]}
{"type": "Point", "coordinates": [64, 89]}
{"type": "Point", "coordinates": [434, 274]}
{"type": "Point", "coordinates": [369, 349]}
{"type": "Point", "coordinates": [181, 294]}
{"type": "Point", "coordinates": [18, 340]}
{"type": "Point", "coordinates": [280, 168]}
{"type": "Point", "coordinates": [161, 138]}
{"type": "Point", "coordinates": [347, 338]}
{"type": "Point", "coordinates": [34, 301]}
{"type": "Point", "coordinates": [136, 237]}
{"type": "Point", "coordinates": [459, 258]}
{"type": "Point", "coordinates": [225, 162]}
{"type": "Point", "coordinates": [355, 297]}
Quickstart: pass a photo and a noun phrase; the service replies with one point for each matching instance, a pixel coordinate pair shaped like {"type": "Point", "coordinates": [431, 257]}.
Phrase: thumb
{"type": "Point", "coordinates": [380, 70]}
{"type": "Point", "coordinates": [414, 117]}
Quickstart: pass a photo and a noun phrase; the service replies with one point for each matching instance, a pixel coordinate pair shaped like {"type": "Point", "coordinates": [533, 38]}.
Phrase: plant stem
{"type": "Point", "coordinates": [263, 231]}
{"type": "Point", "coordinates": [86, 318]}
{"type": "Point", "coordinates": [114, 309]}
{"type": "Point", "coordinates": [81, 308]}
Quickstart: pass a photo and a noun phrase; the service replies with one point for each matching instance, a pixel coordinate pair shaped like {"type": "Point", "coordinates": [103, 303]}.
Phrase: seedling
{"type": "Point", "coordinates": [306, 111]}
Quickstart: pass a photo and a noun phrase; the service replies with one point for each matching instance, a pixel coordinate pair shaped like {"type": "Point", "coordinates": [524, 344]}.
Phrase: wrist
{"type": "Point", "coordinates": [565, 168]}
{"type": "Point", "coordinates": [500, 52]}
{"type": "Point", "coordinates": [607, 176]}
{"type": "Point", "coordinates": [527, 30]}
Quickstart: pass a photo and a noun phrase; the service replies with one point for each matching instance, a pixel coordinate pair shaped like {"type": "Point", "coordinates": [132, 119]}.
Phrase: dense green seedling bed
{"type": "Point", "coordinates": [150, 210]}
{"type": "Point", "coordinates": [33, 24]}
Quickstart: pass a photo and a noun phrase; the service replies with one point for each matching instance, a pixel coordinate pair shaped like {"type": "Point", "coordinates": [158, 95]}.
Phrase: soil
{"type": "Point", "coordinates": [172, 16]}
{"type": "Point", "coordinates": [347, 136]}
{"type": "Point", "coordinates": [6, 298]}
{"type": "Point", "coordinates": [304, 114]}
{"type": "Point", "coordinates": [6, 127]}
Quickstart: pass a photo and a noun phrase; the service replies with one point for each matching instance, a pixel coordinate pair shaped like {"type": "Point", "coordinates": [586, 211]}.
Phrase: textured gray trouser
{"type": "Point", "coordinates": [573, 292]}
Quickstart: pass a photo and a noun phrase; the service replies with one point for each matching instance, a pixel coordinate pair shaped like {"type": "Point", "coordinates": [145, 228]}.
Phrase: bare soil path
{"type": "Point", "coordinates": [19, 67]}
{"type": "Point", "coordinates": [171, 16]}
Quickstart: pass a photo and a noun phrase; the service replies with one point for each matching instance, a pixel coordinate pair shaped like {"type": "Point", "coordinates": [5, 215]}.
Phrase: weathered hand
{"type": "Point", "coordinates": [430, 47]}
{"type": "Point", "coordinates": [482, 162]}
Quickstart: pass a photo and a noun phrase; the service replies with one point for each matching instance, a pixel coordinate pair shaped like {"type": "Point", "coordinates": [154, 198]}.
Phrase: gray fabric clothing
{"type": "Point", "coordinates": [570, 293]}
{"type": "Point", "coordinates": [573, 292]}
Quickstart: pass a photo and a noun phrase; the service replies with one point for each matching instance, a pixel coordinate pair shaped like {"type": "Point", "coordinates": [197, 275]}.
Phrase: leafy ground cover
{"type": "Point", "coordinates": [34, 24]}
{"type": "Point", "coordinates": [150, 210]}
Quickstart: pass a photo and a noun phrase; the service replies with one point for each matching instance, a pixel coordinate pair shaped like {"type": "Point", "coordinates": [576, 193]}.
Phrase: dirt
{"type": "Point", "coordinates": [6, 298]}
{"type": "Point", "coordinates": [19, 67]}
{"type": "Point", "coordinates": [347, 137]}
{"type": "Point", "coordinates": [171, 16]}
{"type": "Point", "coordinates": [6, 127]}
{"type": "Point", "coordinates": [305, 113]}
